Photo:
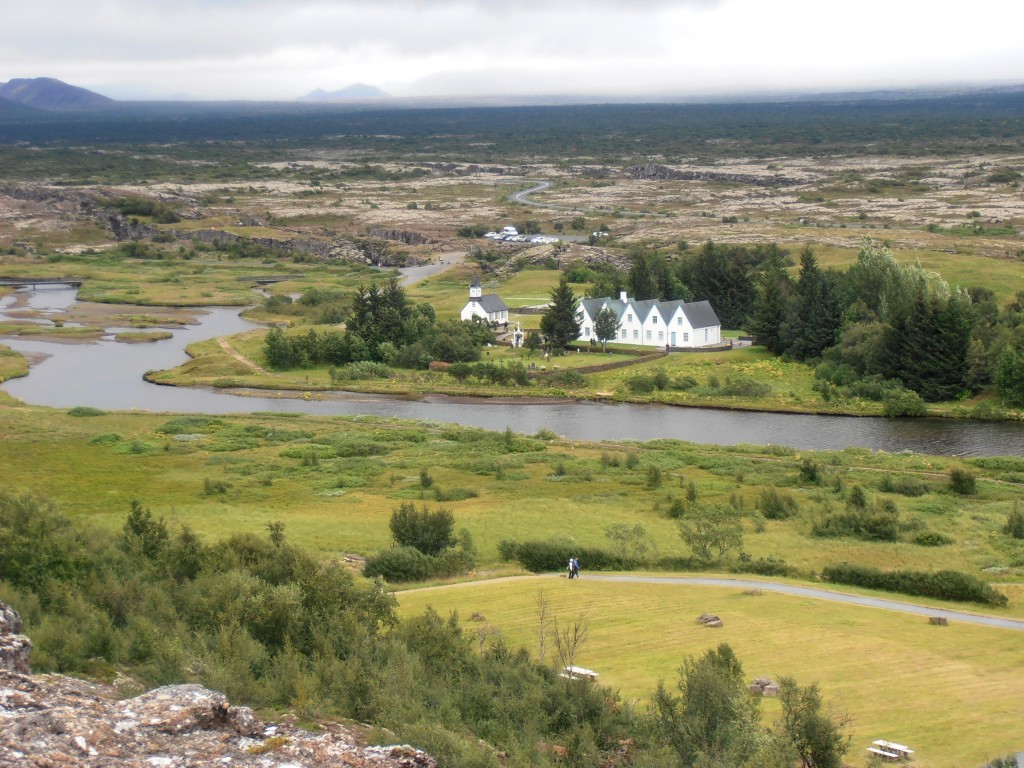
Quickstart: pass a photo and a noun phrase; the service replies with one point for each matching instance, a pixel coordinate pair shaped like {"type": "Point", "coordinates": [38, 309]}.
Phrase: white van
{"type": "Point", "coordinates": [509, 232]}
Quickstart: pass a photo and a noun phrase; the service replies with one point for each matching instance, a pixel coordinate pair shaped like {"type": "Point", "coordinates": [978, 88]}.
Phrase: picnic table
{"type": "Point", "coordinates": [890, 750]}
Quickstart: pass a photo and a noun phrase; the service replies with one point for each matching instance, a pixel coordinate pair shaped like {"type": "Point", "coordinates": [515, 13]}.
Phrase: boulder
{"type": "Point", "coordinates": [941, 621]}
{"type": "Point", "coordinates": [15, 648]}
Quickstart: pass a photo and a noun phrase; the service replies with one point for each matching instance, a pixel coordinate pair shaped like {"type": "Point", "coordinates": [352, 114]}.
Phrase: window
{"type": "Point", "coordinates": [648, 335]}
{"type": "Point", "coordinates": [586, 331]}
{"type": "Point", "coordinates": [654, 319]}
{"type": "Point", "coordinates": [623, 333]}
{"type": "Point", "coordinates": [661, 335]}
{"type": "Point", "coordinates": [679, 320]}
{"type": "Point", "coordinates": [629, 317]}
{"type": "Point", "coordinates": [705, 334]}
{"type": "Point", "coordinates": [686, 337]}
{"type": "Point", "coordinates": [636, 334]}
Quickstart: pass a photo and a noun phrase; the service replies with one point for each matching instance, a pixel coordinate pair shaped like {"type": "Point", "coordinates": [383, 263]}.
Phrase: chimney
{"type": "Point", "coordinates": [622, 297]}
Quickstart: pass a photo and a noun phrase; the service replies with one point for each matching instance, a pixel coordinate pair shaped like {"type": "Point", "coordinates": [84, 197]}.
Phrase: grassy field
{"type": "Point", "coordinates": [951, 693]}
{"type": "Point", "coordinates": [335, 480]}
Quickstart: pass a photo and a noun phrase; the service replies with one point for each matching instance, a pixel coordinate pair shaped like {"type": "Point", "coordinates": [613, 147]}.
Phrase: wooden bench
{"type": "Point", "coordinates": [884, 754]}
{"type": "Point", "coordinates": [891, 746]}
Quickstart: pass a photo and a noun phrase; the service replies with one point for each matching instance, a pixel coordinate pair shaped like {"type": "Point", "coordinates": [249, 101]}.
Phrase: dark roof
{"type": "Point", "coordinates": [476, 282]}
{"type": "Point", "coordinates": [492, 303]}
{"type": "Point", "coordinates": [700, 314]}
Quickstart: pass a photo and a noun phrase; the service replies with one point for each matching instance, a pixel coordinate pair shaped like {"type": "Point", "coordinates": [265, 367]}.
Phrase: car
{"type": "Point", "coordinates": [492, 236]}
{"type": "Point", "coordinates": [509, 231]}
{"type": "Point", "coordinates": [600, 233]}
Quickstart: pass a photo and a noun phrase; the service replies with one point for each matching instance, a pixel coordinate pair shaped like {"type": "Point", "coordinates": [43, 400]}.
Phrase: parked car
{"type": "Point", "coordinates": [492, 236]}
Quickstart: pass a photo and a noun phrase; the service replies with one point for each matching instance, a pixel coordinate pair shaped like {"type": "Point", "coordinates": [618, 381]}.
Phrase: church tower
{"type": "Point", "coordinates": [475, 291]}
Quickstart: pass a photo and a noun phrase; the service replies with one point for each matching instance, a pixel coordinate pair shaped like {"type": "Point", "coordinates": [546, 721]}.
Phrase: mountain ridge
{"type": "Point", "coordinates": [49, 93]}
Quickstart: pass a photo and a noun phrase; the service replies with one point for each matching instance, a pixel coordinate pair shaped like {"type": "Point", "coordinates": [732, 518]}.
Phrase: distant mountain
{"type": "Point", "coordinates": [10, 108]}
{"type": "Point", "coordinates": [51, 94]}
{"type": "Point", "coordinates": [356, 92]}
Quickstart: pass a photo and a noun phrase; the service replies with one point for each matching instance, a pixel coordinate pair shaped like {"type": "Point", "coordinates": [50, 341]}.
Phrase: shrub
{"type": "Point", "coordinates": [962, 482]}
{"type": "Point", "coordinates": [429, 532]}
{"type": "Point", "coordinates": [1015, 524]}
{"type": "Point", "coordinates": [684, 383]}
{"type": "Point", "coordinates": [902, 402]}
{"type": "Point", "coordinates": [740, 386]}
{"type": "Point", "coordinates": [932, 539]}
{"type": "Point", "coordinates": [763, 566]}
{"type": "Point", "coordinates": [943, 585]}
{"type": "Point", "coordinates": [570, 379]}
{"type": "Point", "coordinates": [85, 410]}
{"type": "Point", "coordinates": [399, 564]}
{"type": "Point", "coordinates": [776, 505]}
{"type": "Point", "coordinates": [454, 494]}
{"type": "Point", "coordinates": [878, 522]}
{"type": "Point", "coordinates": [810, 471]}
{"type": "Point", "coordinates": [360, 371]}
{"type": "Point", "coordinates": [551, 555]}
{"type": "Point", "coordinates": [904, 486]}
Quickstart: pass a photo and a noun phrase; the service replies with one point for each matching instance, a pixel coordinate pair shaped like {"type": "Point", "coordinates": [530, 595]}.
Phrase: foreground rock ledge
{"type": "Point", "coordinates": [50, 721]}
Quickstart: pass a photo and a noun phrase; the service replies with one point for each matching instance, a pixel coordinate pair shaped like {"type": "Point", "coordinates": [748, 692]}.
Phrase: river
{"type": "Point", "coordinates": [108, 374]}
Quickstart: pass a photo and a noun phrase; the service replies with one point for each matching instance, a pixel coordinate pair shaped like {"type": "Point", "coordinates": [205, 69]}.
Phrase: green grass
{"type": "Point", "coordinates": [951, 693]}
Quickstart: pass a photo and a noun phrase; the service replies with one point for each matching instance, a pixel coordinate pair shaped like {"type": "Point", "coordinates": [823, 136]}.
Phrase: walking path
{"type": "Point", "coordinates": [791, 589]}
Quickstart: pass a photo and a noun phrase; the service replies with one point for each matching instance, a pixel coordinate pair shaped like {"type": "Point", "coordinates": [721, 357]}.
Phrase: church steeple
{"type": "Point", "coordinates": [475, 291]}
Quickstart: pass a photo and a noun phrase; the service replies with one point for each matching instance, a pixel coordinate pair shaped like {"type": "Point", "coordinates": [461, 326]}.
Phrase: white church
{"type": "Point", "coordinates": [653, 323]}
{"type": "Point", "coordinates": [489, 308]}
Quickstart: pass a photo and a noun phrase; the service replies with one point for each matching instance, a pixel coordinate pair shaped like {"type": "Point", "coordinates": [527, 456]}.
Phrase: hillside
{"type": "Point", "coordinates": [51, 94]}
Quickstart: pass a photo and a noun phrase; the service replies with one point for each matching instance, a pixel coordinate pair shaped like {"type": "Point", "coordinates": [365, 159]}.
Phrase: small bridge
{"type": "Point", "coordinates": [33, 282]}
{"type": "Point", "coordinates": [268, 279]}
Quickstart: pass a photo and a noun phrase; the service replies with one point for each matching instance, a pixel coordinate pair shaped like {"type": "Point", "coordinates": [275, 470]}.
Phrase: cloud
{"type": "Point", "coordinates": [264, 49]}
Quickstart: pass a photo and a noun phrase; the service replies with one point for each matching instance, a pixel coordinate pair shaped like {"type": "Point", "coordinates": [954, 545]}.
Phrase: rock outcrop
{"type": "Point", "coordinates": [50, 720]}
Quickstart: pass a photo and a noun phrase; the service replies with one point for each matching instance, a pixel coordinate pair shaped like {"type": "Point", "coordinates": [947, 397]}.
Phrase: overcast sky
{"type": "Point", "coordinates": [282, 49]}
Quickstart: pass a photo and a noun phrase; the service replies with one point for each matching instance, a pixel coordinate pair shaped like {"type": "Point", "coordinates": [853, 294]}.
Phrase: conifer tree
{"type": "Point", "coordinates": [560, 323]}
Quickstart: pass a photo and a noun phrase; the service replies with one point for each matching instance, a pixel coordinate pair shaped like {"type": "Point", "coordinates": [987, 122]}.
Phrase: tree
{"type": "Point", "coordinates": [713, 721]}
{"type": "Point", "coordinates": [711, 531]}
{"type": "Point", "coordinates": [770, 309]}
{"type": "Point", "coordinates": [815, 315]}
{"type": "Point", "coordinates": [429, 532]}
{"type": "Point", "coordinates": [606, 326]}
{"type": "Point", "coordinates": [533, 341]}
{"type": "Point", "coordinates": [561, 321]}
{"type": "Point", "coordinates": [643, 281]}
{"type": "Point", "coordinates": [1010, 377]}
{"type": "Point", "coordinates": [569, 637]}
{"type": "Point", "coordinates": [143, 532]}
{"type": "Point", "coordinates": [817, 735]}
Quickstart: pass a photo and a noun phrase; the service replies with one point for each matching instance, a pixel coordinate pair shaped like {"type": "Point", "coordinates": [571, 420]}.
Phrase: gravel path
{"type": "Point", "coordinates": [820, 594]}
{"type": "Point", "coordinates": [775, 586]}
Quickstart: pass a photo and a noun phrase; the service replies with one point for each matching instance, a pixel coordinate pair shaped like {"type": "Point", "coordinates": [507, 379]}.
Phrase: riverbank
{"type": "Point", "coordinates": [746, 379]}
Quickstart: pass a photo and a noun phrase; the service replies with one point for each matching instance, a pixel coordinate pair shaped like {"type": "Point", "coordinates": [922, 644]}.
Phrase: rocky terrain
{"type": "Point", "coordinates": [50, 720]}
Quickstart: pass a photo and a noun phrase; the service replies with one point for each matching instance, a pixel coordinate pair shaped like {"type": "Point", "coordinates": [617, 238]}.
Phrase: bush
{"type": "Point", "coordinates": [764, 566]}
{"type": "Point", "coordinates": [399, 564]}
{"type": "Point", "coordinates": [904, 486]}
{"type": "Point", "coordinates": [429, 532]}
{"type": "Point", "coordinates": [1015, 524]}
{"type": "Point", "coordinates": [902, 402]}
{"type": "Point", "coordinates": [543, 556]}
{"type": "Point", "coordinates": [878, 522]}
{"type": "Point", "coordinates": [943, 585]}
{"type": "Point", "coordinates": [364, 369]}
{"type": "Point", "coordinates": [810, 471]}
{"type": "Point", "coordinates": [740, 386]}
{"type": "Point", "coordinates": [684, 383]}
{"type": "Point", "coordinates": [962, 482]}
{"type": "Point", "coordinates": [570, 379]}
{"type": "Point", "coordinates": [932, 539]}
{"type": "Point", "coordinates": [776, 505]}
{"type": "Point", "coordinates": [84, 410]}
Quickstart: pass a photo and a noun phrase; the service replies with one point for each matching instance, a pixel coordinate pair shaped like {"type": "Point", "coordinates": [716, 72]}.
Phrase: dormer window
{"type": "Point", "coordinates": [655, 320]}
{"type": "Point", "coordinates": [629, 317]}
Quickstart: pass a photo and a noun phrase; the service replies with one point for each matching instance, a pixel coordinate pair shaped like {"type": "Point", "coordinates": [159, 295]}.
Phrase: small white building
{"type": "Point", "coordinates": [489, 308]}
{"type": "Point", "coordinates": [653, 323]}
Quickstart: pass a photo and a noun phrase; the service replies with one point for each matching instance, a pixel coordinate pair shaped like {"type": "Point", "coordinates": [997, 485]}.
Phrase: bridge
{"type": "Point", "coordinates": [33, 282]}
{"type": "Point", "coordinates": [268, 279]}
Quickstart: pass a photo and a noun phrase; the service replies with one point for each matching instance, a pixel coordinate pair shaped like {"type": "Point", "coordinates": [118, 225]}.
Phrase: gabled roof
{"type": "Point", "coordinates": [492, 303]}
{"type": "Point", "coordinates": [700, 314]}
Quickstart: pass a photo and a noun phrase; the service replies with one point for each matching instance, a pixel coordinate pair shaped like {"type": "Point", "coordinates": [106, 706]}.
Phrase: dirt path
{"type": "Point", "coordinates": [226, 346]}
{"type": "Point", "coordinates": [786, 589]}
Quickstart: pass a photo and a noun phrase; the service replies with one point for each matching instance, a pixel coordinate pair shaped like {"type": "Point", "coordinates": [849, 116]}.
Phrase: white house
{"type": "Point", "coordinates": [654, 323]}
{"type": "Point", "coordinates": [489, 308]}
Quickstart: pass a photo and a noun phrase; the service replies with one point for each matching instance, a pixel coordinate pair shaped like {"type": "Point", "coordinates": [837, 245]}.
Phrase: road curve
{"type": "Point", "coordinates": [523, 196]}
{"type": "Point", "coordinates": [795, 590]}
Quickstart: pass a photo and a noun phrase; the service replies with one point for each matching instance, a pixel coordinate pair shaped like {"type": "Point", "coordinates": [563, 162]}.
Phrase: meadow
{"type": "Point", "coordinates": [950, 692]}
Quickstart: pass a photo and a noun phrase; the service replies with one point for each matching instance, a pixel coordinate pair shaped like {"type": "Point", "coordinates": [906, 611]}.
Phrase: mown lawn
{"type": "Point", "coordinates": [951, 693]}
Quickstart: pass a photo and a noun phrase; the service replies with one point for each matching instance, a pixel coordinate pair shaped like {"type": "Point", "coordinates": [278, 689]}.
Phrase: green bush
{"type": "Point", "coordinates": [399, 564]}
{"type": "Point", "coordinates": [740, 386]}
{"type": "Point", "coordinates": [570, 379]}
{"type": "Point", "coordinates": [904, 486]}
{"type": "Point", "coordinates": [932, 539]}
{"type": "Point", "coordinates": [544, 556]}
{"type": "Point", "coordinates": [776, 505]}
{"type": "Point", "coordinates": [962, 482]}
{"type": "Point", "coordinates": [1015, 524]}
{"type": "Point", "coordinates": [942, 585]}
{"type": "Point", "coordinates": [902, 402]}
{"type": "Point", "coordinates": [84, 410]}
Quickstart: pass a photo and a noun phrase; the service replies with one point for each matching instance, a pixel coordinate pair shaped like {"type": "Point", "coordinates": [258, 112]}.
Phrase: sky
{"type": "Point", "coordinates": [283, 49]}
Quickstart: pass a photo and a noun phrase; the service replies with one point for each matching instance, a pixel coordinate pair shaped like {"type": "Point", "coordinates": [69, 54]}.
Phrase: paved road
{"type": "Point", "coordinates": [786, 589]}
{"type": "Point", "coordinates": [820, 594]}
{"type": "Point", "coordinates": [413, 275]}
